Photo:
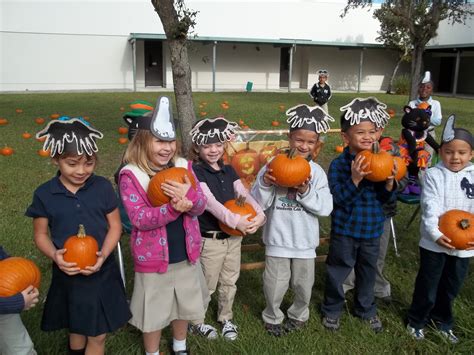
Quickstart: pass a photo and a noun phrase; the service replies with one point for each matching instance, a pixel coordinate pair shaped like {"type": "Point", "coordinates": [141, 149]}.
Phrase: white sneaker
{"type": "Point", "coordinates": [417, 334]}
{"type": "Point", "coordinates": [229, 330]}
{"type": "Point", "coordinates": [449, 335]}
{"type": "Point", "coordinates": [204, 330]}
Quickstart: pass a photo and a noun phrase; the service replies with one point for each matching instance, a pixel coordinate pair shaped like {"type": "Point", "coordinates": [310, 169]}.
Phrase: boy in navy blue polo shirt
{"type": "Point", "coordinates": [357, 219]}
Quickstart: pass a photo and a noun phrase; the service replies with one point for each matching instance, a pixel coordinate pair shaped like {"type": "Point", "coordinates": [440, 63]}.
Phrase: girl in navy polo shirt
{"type": "Point", "coordinates": [220, 253]}
{"type": "Point", "coordinates": [89, 302]}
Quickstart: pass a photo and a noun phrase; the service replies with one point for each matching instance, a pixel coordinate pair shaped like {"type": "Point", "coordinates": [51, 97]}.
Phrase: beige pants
{"type": "Point", "coordinates": [14, 338]}
{"type": "Point", "coordinates": [279, 274]}
{"type": "Point", "coordinates": [220, 262]}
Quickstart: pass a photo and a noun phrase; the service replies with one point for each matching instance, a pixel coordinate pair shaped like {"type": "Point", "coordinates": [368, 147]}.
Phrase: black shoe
{"type": "Point", "coordinates": [292, 324]}
{"type": "Point", "coordinates": [275, 329]}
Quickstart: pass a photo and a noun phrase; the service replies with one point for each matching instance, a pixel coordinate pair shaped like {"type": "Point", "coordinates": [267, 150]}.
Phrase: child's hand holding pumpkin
{"type": "Point", "coordinates": [268, 178]}
{"type": "Point", "coordinates": [64, 266]}
{"type": "Point", "coordinates": [471, 246]}
{"type": "Point", "coordinates": [176, 189]}
{"type": "Point", "coordinates": [89, 270]}
{"type": "Point", "coordinates": [358, 167]}
{"type": "Point", "coordinates": [181, 204]}
{"type": "Point", "coordinates": [391, 179]}
{"type": "Point", "coordinates": [244, 224]}
{"type": "Point", "coordinates": [304, 186]}
{"type": "Point", "coordinates": [257, 221]}
{"type": "Point", "coordinates": [444, 242]}
{"type": "Point", "coordinates": [30, 297]}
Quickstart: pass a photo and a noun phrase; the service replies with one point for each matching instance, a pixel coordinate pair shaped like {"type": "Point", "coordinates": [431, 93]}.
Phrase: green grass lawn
{"type": "Point", "coordinates": [23, 171]}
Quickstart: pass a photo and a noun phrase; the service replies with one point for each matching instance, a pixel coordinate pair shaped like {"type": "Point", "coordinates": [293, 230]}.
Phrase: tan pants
{"type": "Point", "coordinates": [220, 261]}
{"type": "Point", "coordinates": [279, 274]}
{"type": "Point", "coordinates": [14, 338]}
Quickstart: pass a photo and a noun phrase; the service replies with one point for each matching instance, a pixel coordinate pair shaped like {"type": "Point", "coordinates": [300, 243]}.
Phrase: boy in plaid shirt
{"type": "Point", "coordinates": [357, 219]}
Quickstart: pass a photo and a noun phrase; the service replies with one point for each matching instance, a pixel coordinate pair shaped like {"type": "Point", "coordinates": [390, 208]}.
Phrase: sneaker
{"type": "Point", "coordinates": [292, 324]}
{"type": "Point", "coordinates": [331, 323]}
{"type": "Point", "coordinates": [229, 330]}
{"type": "Point", "coordinates": [449, 335]}
{"type": "Point", "coordinates": [375, 324]}
{"type": "Point", "coordinates": [204, 330]}
{"type": "Point", "coordinates": [276, 330]}
{"type": "Point", "coordinates": [417, 334]}
{"type": "Point", "coordinates": [182, 352]}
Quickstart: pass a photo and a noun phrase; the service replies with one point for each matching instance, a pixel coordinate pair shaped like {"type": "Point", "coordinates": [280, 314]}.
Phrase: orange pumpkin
{"type": "Point", "coordinates": [202, 113]}
{"type": "Point", "coordinates": [458, 226]}
{"type": "Point", "coordinates": [16, 274]}
{"type": "Point", "coordinates": [241, 122]}
{"type": "Point", "coordinates": [391, 112]}
{"type": "Point", "coordinates": [423, 105]}
{"type": "Point", "coordinates": [26, 135]}
{"type": "Point", "coordinates": [43, 153]}
{"type": "Point", "coordinates": [19, 110]}
{"type": "Point", "coordinates": [339, 148]}
{"type": "Point", "coordinates": [6, 151]}
{"type": "Point", "coordinates": [155, 194]}
{"type": "Point", "coordinates": [245, 162]}
{"type": "Point", "coordinates": [378, 161]}
{"type": "Point", "coordinates": [281, 107]}
{"type": "Point", "coordinates": [224, 106]}
{"type": "Point", "coordinates": [122, 130]}
{"type": "Point", "coordinates": [267, 153]}
{"type": "Point", "coordinates": [290, 170]}
{"type": "Point", "coordinates": [275, 123]}
{"type": "Point", "coordinates": [81, 249]}
{"type": "Point", "coordinates": [54, 116]}
{"type": "Point", "coordinates": [42, 139]}
{"type": "Point", "coordinates": [123, 140]}
{"type": "Point", "coordinates": [39, 120]}
{"type": "Point", "coordinates": [245, 127]}
{"type": "Point", "coordinates": [3, 121]}
{"type": "Point", "coordinates": [241, 207]}
{"type": "Point", "coordinates": [401, 168]}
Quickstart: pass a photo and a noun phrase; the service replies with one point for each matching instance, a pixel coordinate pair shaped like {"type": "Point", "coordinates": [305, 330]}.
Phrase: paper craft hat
{"type": "Point", "coordinates": [67, 134]}
{"type": "Point", "coordinates": [213, 130]}
{"type": "Point", "coordinates": [139, 110]}
{"type": "Point", "coordinates": [364, 109]}
{"type": "Point", "coordinates": [426, 78]}
{"type": "Point", "coordinates": [309, 118]}
{"type": "Point", "coordinates": [450, 133]}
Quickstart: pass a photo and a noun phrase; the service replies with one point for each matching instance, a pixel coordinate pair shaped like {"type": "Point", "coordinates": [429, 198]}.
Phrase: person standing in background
{"type": "Point", "coordinates": [321, 92]}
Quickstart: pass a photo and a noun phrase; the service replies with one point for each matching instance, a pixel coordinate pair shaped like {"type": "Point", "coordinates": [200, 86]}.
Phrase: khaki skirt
{"type": "Point", "coordinates": [158, 299]}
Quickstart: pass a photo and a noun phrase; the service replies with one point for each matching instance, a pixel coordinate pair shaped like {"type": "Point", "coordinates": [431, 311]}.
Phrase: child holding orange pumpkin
{"type": "Point", "coordinates": [220, 252]}
{"type": "Point", "coordinates": [447, 186]}
{"type": "Point", "coordinates": [358, 218]}
{"type": "Point", "coordinates": [165, 240]}
{"type": "Point", "coordinates": [14, 338]}
{"type": "Point", "coordinates": [291, 233]}
{"type": "Point", "coordinates": [91, 301]}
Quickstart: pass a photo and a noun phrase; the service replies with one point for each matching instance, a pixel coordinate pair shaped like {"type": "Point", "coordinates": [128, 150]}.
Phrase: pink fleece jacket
{"type": "Point", "coordinates": [149, 241]}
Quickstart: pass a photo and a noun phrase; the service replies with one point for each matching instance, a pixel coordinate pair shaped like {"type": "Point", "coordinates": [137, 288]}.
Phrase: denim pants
{"type": "Point", "coordinates": [438, 282]}
{"type": "Point", "coordinates": [345, 254]}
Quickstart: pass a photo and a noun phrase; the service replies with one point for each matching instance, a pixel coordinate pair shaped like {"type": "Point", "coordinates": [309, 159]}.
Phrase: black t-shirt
{"type": "Point", "coordinates": [221, 184]}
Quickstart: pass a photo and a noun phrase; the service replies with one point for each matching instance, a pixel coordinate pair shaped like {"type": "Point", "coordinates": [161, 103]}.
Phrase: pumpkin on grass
{"type": "Point", "coordinates": [156, 195]}
{"type": "Point", "coordinates": [16, 274]}
{"type": "Point", "coordinates": [241, 207]}
{"type": "Point", "coordinates": [458, 226]}
{"type": "Point", "coordinates": [290, 170]}
{"type": "Point", "coordinates": [81, 249]}
{"type": "Point", "coordinates": [378, 161]}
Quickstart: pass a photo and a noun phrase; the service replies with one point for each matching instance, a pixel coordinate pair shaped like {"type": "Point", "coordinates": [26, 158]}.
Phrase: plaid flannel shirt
{"type": "Point", "coordinates": [358, 211]}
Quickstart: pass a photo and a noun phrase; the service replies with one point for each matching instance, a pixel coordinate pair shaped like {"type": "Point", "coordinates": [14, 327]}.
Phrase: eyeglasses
{"type": "Point", "coordinates": [322, 71]}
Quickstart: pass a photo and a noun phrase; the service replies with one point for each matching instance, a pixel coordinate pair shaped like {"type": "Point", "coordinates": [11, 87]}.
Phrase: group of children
{"type": "Point", "coordinates": [181, 256]}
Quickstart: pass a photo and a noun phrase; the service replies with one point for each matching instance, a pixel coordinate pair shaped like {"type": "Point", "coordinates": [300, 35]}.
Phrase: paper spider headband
{"type": "Point", "coordinates": [70, 135]}
{"type": "Point", "coordinates": [213, 130]}
{"type": "Point", "coordinates": [141, 110]}
{"type": "Point", "coordinates": [450, 133]}
{"type": "Point", "coordinates": [309, 118]}
{"type": "Point", "coordinates": [323, 72]}
{"type": "Point", "coordinates": [159, 121]}
{"type": "Point", "coordinates": [364, 109]}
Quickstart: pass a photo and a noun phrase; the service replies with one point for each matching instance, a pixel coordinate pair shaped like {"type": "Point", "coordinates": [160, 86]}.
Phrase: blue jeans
{"type": "Point", "coordinates": [438, 282]}
{"type": "Point", "coordinates": [345, 254]}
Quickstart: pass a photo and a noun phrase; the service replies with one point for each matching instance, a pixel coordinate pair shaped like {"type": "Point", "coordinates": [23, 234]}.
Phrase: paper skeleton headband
{"type": "Point", "coordinates": [159, 122]}
{"type": "Point", "coordinates": [309, 118]}
{"type": "Point", "coordinates": [213, 130]}
{"type": "Point", "coordinates": [140, 110]}
{"type": "Point", "coordinates": [450, 133]}
{"type": "Point", "coordinates": [69, 135]}
{"type": "Point", "coordinates": [360, 110]}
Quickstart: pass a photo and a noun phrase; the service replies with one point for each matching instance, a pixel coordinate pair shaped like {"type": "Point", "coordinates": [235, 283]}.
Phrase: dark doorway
{"type": "Point", "coordinates": [153, 63]}
{"type": "Point", "coordinates": [446, 74]}
{"type": "Point", "coordinates": [284, 66]}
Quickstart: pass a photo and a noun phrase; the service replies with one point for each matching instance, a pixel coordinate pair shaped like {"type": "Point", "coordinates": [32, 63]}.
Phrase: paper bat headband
{"type": "Point", "coordinates": [69, 135]}
{"type": "Point", "coordinates": [450, 133]}
{"type": "Point", "coordinates": [364, 109]}
{"type": "Point", "coordinates": [213, 130]}
{"type": "Point", "coordinates": [140, 110]}
{"type": "Point", "coordinates": [309, 118]}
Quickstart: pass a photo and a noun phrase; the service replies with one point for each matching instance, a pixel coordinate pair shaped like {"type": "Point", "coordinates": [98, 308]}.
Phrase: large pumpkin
{"type": "Point", "coordinates": [241, 207]}
{"type": "Point", "coordinates": [155, 194]}
{"type": "Point", "coordinates": [246, 162]}
{"type": "Point", "coordinates": [81, 249]}
{"type": "Point", "coordinates": [401, 168]}
{"type": "Point", "coordinates": [458, 226]}
{"type": "Point", "coordinates": [290, 170]}
{"type": "Point", "coordinates": [16, 274]}
{"type": "Point", "coordinates": [378, 161]}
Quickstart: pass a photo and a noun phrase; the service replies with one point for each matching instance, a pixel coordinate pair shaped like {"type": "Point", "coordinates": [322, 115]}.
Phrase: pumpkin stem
{"type": "Point", "coordinates": [81, 233]}
{"type": "Point", "coordinates": [376, 147]}
{"type": "Point", "coordinates": [240, 201]}
{"type": "Point", "coordinates": [464, 223]}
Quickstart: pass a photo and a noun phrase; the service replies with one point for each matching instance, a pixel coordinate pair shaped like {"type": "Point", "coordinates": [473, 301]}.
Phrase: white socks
{"type": "Point", "coordinates": [179, 345]}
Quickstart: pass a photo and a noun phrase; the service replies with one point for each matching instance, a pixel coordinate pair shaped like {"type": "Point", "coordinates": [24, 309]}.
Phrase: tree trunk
{"type": "Point", "coordinates": [395, 70]}
{"type": "Point", "coordinates": [416, 67]}
{"type": "Point", "coordinates": [177, 43]}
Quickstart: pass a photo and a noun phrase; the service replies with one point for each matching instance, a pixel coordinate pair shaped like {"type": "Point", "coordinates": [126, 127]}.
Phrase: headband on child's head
{"type": "Point", "coordinates": [364, 109]}
{"type": "Point", "coordinates": [70, 135]}
{"type": "Point", "coordinates": [323, 72]}
{"type": "Point", "coordinates": [141, 110]}
{"type": "Point", "coordinates": [450, 133]}
{"type": "Point", "coordinates": [309, 118]}
{"type": "Point", "coordinates": [213, 130]}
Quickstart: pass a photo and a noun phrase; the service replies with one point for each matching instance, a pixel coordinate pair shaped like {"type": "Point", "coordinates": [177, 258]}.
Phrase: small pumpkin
{"type": "Point", "coordinates": [458, 226]}
{"type": "Point", "coordinates": [43, 153]}
{"type": "Point", "coordinates": [275, 123]}
{"type": "Point", "coordinates": [401, 168]}
{"type": "Point", "coordinates": [122, 130]}
{"type": "Point", "coordinates": [41, 139]}
{"type": "Point", "coordinates": [224, 106]}
{"type": "Point", "coordinates": [241, 122]}
{"type": "Point", "coordinates": [281, 108]}
{"type": "Point", "coordinates": [123, 140]}
{"type": "Point", "coordinates": [289, 169]}
{"type": "Point", "coordinates": [6, 151]}
{"type": "Point", "coordinates": [423, 105]}
{"type": "Point", "coordinates": [241, 207]}
{"type": "Point", "coordinates": [156, 195]}
{"type": "Point", "coordinates": [339, 148]}
{"type": "Point", "coordinates": [54, 116]}
{"type": "Point", "coordinates": [245, 162]}
{"type": "Point", "coordinates": [81, 249]}
{"type": "Point", "coordinates": [202, 113]}
{"type": "Point", "coordinates": [3, 121]}
{"type": "Point", "coordinates": [378, 161]}
{"type": "Point", "coordinates": [19, 110]}
{"type": "Point", "coordinates": [391, 112]}
{"type": "Point", "coordinates": [16, 274]}
{"type": "Point", "coordinates": [26, 135]}
{"type": "Point", "coordinates": [39, 120]}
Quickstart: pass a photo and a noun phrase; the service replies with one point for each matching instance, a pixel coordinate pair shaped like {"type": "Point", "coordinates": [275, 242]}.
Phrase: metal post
{"type": "Point", "coordinates": [134, 64]}
{"type": "Point", "coordinates": [121, 264]}
{"type": "Point", "coordinates": [290, 73]}
{"type": "Point", "coordinates": [361, 64]}
{"type": "Point", "coordinates": [394, 236]}
{"type": "Point", "coordinates": [456, 72]}
{"type": "Point", "coordinates": [214, 55]}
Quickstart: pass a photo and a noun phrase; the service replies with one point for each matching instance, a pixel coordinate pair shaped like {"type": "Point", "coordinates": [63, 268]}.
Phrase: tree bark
{"type": "Point", "coordinates": [395, 70]}
{"type": "Point", "coordinates": [177, 44]}
{"type": "Point", "coordinates": [416, 67]}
